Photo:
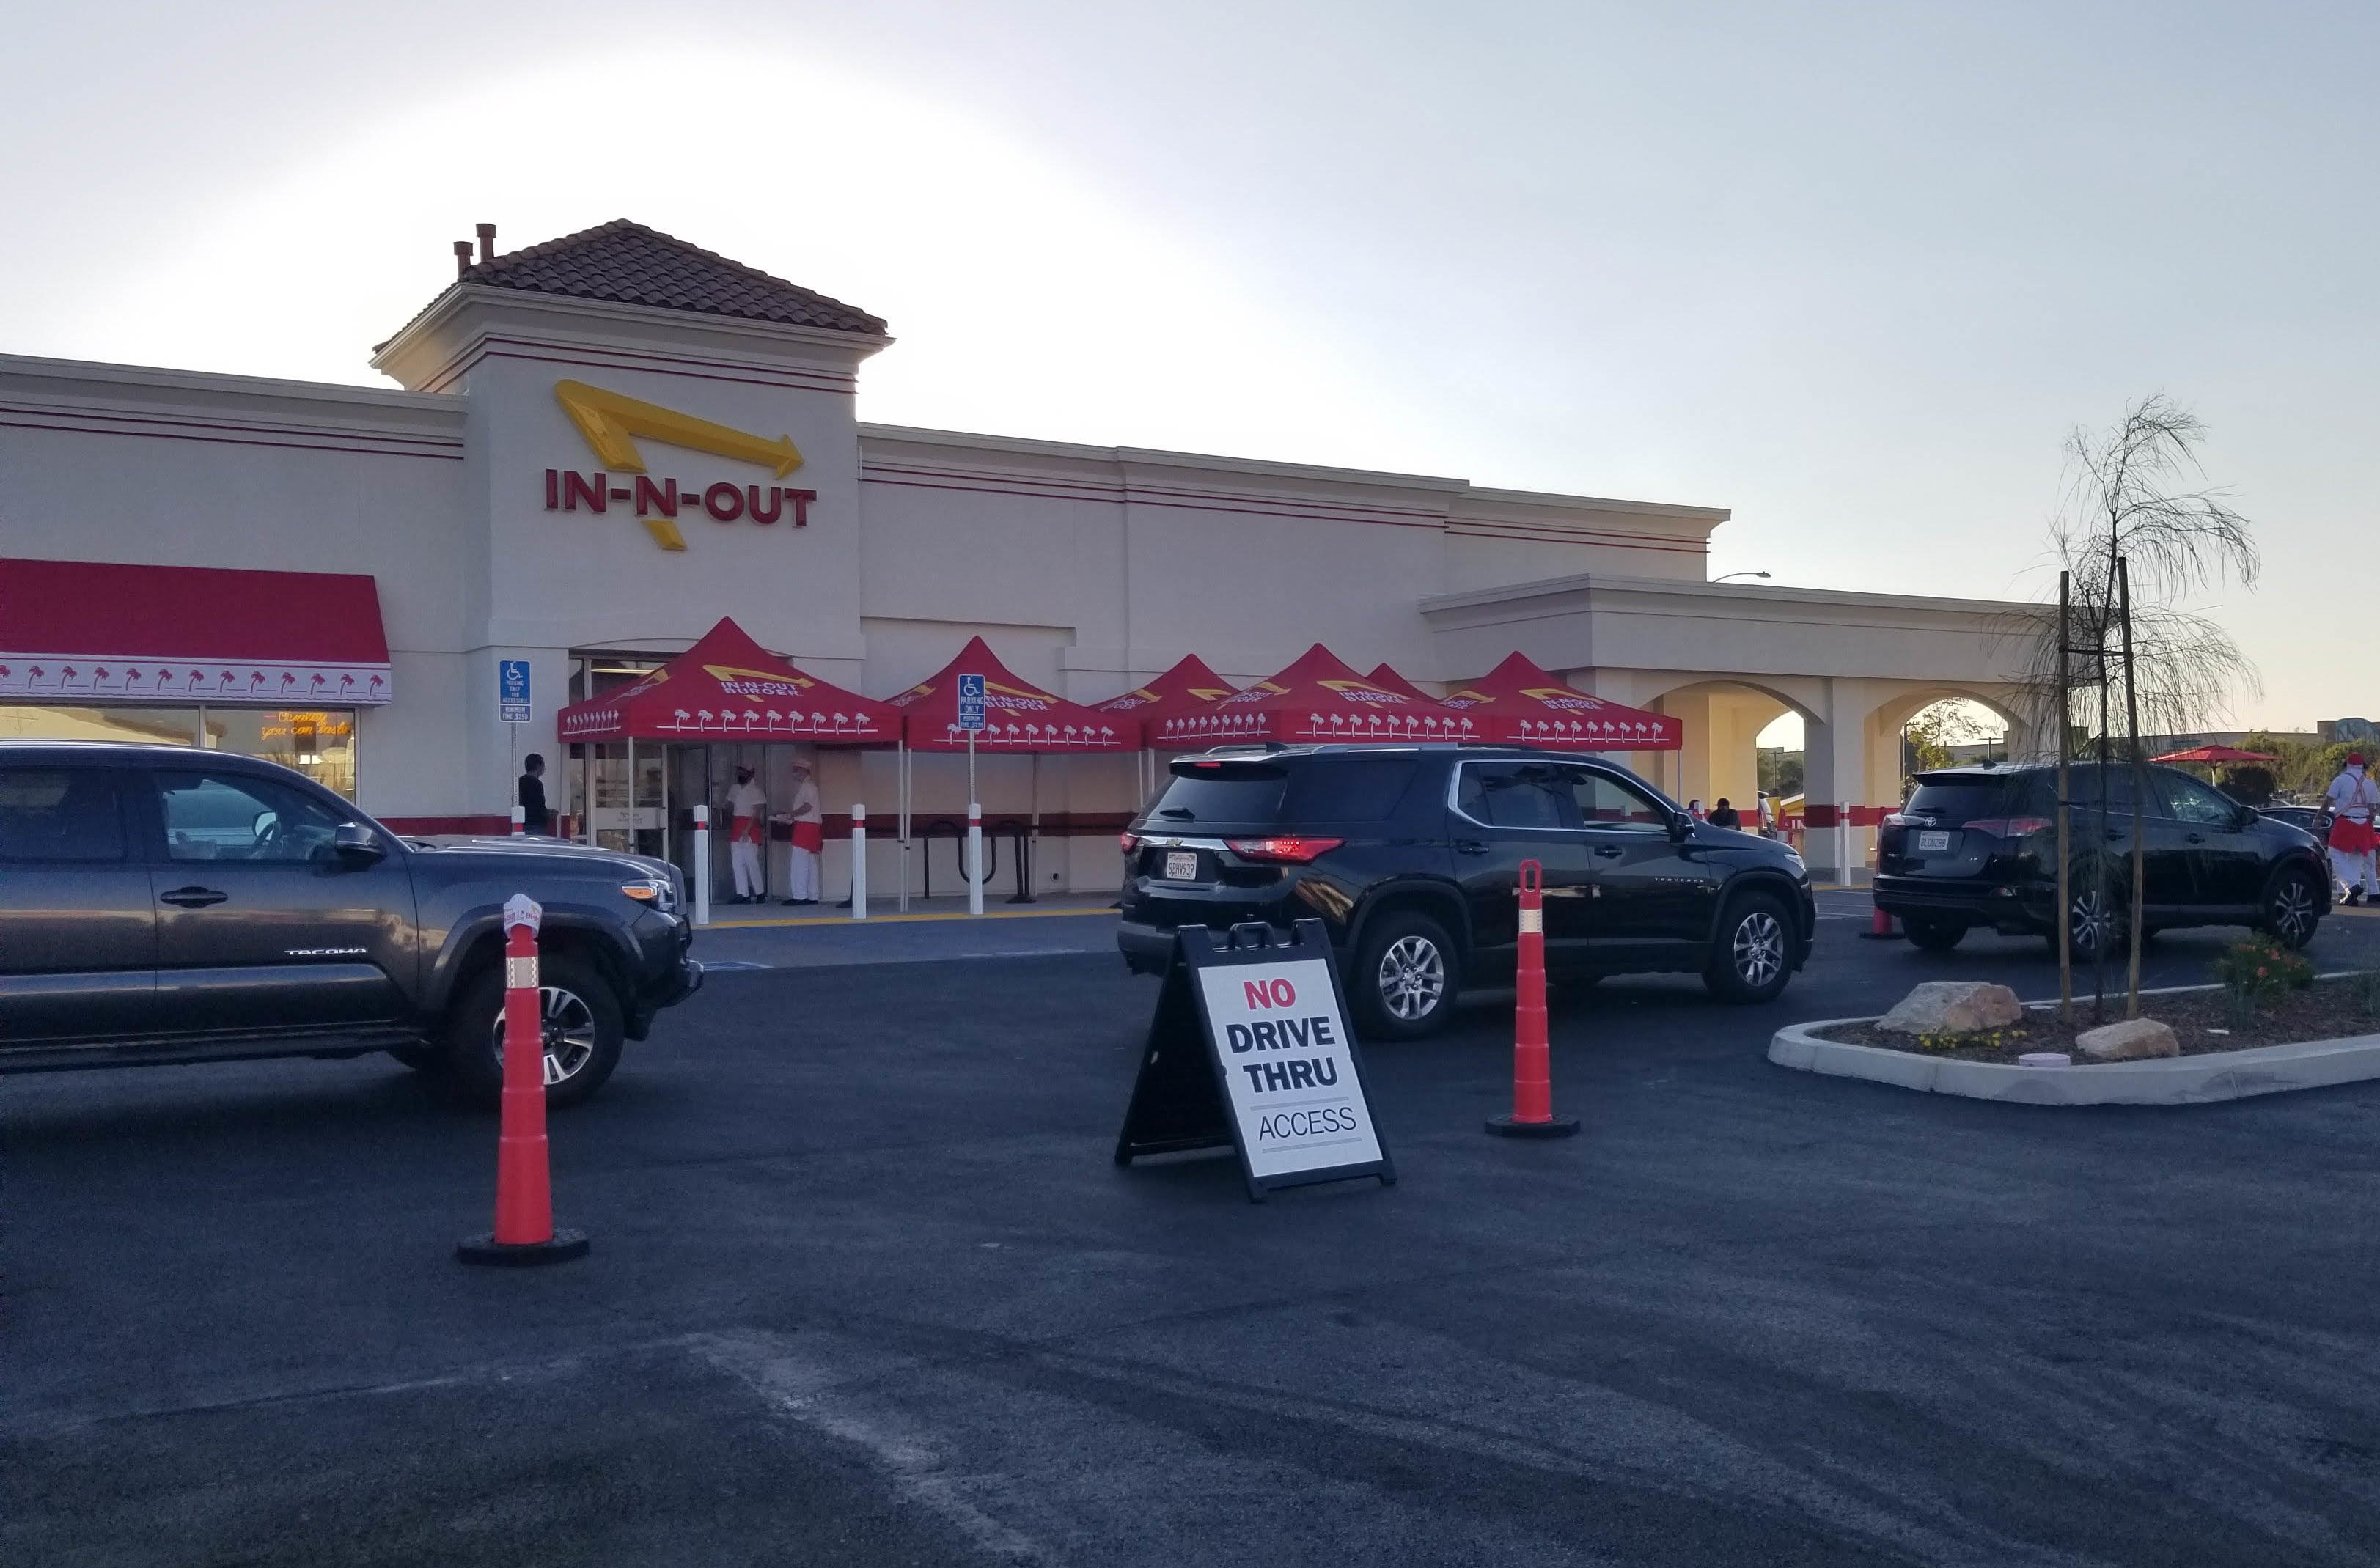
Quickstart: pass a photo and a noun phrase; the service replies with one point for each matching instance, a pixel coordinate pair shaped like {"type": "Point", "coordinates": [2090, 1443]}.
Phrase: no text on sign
{"type": "Point", "coordinates": [512, 691]}
{"type": "Point", "coordinates": [1250, 1049]}
{"type": "Point", "coordinates": [970, 702]}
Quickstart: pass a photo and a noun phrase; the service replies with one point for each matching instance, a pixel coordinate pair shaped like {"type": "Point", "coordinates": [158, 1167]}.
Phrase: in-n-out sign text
{"type": "Point", "coordinates": [567, 490]}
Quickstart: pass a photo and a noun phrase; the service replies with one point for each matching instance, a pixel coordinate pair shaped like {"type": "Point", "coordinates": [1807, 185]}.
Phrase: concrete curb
{"type": "Point", "coordinates": [2172, 1080]}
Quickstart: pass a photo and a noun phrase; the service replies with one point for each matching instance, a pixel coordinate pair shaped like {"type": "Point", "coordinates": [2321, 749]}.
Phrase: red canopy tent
{"type": "Point", "coordinates": [1316, 697]}
{"type": "Point", "coordinates": [1188, 687]}
{"type": "Point", "coordinates": [1018, 717]}
{"type": "Point", "coordinates": [1519, 702]}
{"type": "Point", "coordinates": [728, 688]}
{"type": "Point", "coordinates": [1382, 676]}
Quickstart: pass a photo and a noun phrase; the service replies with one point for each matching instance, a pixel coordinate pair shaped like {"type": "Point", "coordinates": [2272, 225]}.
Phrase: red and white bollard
{"type": "Point", "coordinates": [525, 1231]}
{"type": "Point", "coordinates": [520, 820]}
{"type": "Point", "coordinates": [1879, 928]}
{"type": "Point", "coordinates": [1533, 1087]}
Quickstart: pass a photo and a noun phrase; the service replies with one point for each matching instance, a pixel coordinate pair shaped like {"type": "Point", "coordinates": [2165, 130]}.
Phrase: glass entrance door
{"type": "Point", "coordinates": [629, 812]}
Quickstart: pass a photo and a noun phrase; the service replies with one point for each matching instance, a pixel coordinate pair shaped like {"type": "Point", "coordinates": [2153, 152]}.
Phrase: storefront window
{"type": "Point", "coordinates": [176, 726]}
{"type": "Point", "coordinates": [317, 742]}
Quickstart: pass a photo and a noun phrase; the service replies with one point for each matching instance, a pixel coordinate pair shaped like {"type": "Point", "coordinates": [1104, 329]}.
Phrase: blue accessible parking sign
{"type": "Point", "coordinates": [970, 702]}
{"type": "Point", "coordinates": [512, 691]}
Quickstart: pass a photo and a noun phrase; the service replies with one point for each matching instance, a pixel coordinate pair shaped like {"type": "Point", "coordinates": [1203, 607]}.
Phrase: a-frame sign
{"type": "Point", "coordinates": [1250, 1048]}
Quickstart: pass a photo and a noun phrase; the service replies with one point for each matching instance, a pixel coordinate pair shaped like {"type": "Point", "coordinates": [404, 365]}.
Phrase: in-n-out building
{"type": "Point", "coordinates": [332, 576]}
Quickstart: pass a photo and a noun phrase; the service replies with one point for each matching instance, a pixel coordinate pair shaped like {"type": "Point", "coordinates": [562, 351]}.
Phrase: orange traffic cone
{"type": "Point", "coordinates": [524, 1231]}
{"type": "Point", "coordinates": [1533, 1088]}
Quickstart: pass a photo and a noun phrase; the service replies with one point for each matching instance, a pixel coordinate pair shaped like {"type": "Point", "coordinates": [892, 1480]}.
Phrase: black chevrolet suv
{"type": "Point", "coordinates": [163, 903]}
{"type": "Point", "coordinates": [1410, 856]}
{"type": "Point", "coordinates": [1978, 846]}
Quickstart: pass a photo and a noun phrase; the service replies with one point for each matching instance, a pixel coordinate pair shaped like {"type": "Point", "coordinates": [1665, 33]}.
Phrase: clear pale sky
{"type": "Point", "coordinates": [1851, 271]}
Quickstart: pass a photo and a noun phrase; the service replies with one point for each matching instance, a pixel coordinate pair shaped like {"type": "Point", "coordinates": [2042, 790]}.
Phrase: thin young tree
{"type": "Point", "coordinates": [2137, 516]}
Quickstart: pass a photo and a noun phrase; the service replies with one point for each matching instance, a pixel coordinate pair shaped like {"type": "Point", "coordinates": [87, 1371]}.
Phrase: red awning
{"type": "Point", "coordinates": [1018, 717]}
{"type": "Point", "coordinates": [1518, 701]}
{"type": "Point", "coordinates": [728, 688]}
{"type": "Point", "coordinates": [1188, 687]}
{"type": "Point", "coordinates": [1316, 697]}
{"type": "Point", "coordinates": [96, 631]}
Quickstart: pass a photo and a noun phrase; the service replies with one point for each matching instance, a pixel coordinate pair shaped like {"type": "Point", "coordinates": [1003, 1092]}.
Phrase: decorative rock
{"type": "Point", "coordinates": [2128, 1041]}
{"type": "Point", "coordinates": [1953, 1007]}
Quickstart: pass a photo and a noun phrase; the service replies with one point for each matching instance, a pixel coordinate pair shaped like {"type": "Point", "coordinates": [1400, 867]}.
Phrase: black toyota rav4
{"type": "Point", "coordinates": [163, 904]}
{"type": "Point", "coordinates": [1977, 847]}
{"type": "Point", "coordinates": [1409, 855]}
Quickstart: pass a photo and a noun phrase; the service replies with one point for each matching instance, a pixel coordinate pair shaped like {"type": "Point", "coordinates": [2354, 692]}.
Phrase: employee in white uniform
{"type": "Point", "coordinates": [2351, 801]}
{"type": "Point", "coordinates": [809, 836]}
{"type": "Point", "coordinates": [745, 805]}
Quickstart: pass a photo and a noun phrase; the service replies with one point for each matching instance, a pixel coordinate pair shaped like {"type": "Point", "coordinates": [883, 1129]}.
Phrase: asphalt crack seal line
{"type": "Point", "coordinates": [792, 1386]}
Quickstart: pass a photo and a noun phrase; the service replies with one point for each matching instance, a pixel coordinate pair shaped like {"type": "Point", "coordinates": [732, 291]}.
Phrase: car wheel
{"type": "Point", "coordinates": [1406, 977]}
{"type": "Point", "coordinates": [1751, 958]}
{"type": "Point", "coordinates": [2093, 921]}
{"type": "Point", "coordinates": [1935, 933]}
{"type": "Point", "coordinates": [2292, 908]}
{"type": "Point", "coordinates": [580, 1019]}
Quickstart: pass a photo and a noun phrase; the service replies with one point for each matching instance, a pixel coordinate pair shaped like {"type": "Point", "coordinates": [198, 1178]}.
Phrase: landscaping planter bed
{"type": "Point", "coordinates": [2330, 1009]}
{"type": "Point", "coordinates": [2281, 1050]}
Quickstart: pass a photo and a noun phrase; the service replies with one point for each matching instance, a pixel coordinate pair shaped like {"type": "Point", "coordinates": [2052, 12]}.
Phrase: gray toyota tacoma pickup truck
{"type": "Point", "coordinates": [163, 903]}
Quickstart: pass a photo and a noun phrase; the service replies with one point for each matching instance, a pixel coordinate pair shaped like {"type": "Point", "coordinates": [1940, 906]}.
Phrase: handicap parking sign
{"type": "Point", "coordinates": [512, 691]}
{"type": "Point", "coordinates": [970, 702]}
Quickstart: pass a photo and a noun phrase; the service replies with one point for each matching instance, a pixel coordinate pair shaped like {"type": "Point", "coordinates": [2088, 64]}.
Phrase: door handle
{"type": "Point", "coordinates": [192, 897]}
{"type": "Point", "coordinates": [1469, 846]}
{"type": "Point", "coordinates": [1610, 851]}
{"type": "Point", "coordinates": [2195, 838]}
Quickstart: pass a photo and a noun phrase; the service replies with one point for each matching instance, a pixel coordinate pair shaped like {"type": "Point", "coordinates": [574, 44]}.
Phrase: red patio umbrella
{"type": "Point", "coordinates": [1018, 717]}
{"type": "Point", "coordinates": [1519, 702]}
{"type": "Point", "coordinates": [1317, 697]}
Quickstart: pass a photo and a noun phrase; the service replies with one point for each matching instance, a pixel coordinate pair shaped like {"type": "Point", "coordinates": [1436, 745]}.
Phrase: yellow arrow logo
{"type": "Point", "coordinates": [611, 421]}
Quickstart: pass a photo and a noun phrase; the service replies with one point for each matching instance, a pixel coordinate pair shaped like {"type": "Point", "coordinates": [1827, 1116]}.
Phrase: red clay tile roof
{"type": "Point", "coordinates": [635, 265]}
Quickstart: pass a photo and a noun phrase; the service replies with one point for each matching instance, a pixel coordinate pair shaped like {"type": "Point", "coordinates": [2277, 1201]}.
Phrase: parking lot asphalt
{"type": "Point", "coordinates": [867, 1288]}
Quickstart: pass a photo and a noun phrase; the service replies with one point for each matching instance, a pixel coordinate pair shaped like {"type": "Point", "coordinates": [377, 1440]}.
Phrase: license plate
{"type": "Point", "coordinates": [1932, 841]}
{"type": "Point", "coordinates": [1181, 866]}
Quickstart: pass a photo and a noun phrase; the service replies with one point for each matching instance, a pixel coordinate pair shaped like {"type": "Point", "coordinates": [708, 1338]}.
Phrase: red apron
{"type": "Point", "coordinates": [2350, 837]}
{"type": "Point", "coordinates": [746, 829]}
{"type": "Point", "coordinates": [809, 835]}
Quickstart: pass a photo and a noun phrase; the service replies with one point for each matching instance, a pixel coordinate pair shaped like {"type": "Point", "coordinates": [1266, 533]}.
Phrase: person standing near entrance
{"type": "Point", "coordinates": [2350, 800]}
{"type": "Point", "coordinates": [744, 804]}
{"type": "Point", "coordinates": [808, 837]}
{"type": "Point", "coordinates": [535, 818]}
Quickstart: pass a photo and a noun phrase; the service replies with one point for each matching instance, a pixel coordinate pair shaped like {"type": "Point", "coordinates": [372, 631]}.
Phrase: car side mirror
{"type": "Point", "coordinates": [1681, 827]}
{"type": "Point", "coordinates": [356, 842]}
{"type": "Point", "coordinates": [2248, 817]}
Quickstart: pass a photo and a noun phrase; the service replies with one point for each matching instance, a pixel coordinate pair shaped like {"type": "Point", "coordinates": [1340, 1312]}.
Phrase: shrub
{"type": "Point", "coordinates": [2258, 972]}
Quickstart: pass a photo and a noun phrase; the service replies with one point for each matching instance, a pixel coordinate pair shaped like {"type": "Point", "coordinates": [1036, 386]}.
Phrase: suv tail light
{"type": "Point", "coordinates": [2010, 827]}
{"type": "Point", "coordinates": [1292, 851]}
{"type": "Point", "coordinates": [1129, 841]}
